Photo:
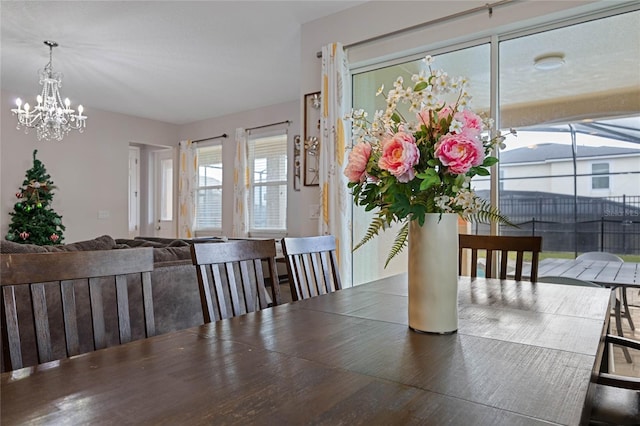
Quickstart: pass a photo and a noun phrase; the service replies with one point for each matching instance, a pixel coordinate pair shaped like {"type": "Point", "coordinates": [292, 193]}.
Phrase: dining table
{"type": "Point", "coordinates": [523, 354]}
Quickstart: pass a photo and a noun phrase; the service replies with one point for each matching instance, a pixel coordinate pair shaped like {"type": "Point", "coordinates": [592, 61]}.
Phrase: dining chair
{"type": "Point", "coordinates": [73, 302]}
{"type": "Point", "coordinates": [232, 279]}
{"type": "Point", "coordinates": [504, 245]}
{"type": "Point", "coordinates": [610, 257]}
{"type": "Point", "coordinates": [312, 266]}
{"type": "Point", "coordinates": [616, 398]}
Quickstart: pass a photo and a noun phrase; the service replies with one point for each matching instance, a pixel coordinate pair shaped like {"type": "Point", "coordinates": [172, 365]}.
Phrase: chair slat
{"type": "Point", "coordinates": [147, 304]}
{"type": "Point", "coordinates": [97, 314]}
{"type": "Point", "coordinates": [11, 327]}
{"type": "Point", "coordinates": [68, 297]}
{"type": "Point", "coordinates": [122, 298]}
{"type": "Point", "coordinates": [41, 323]}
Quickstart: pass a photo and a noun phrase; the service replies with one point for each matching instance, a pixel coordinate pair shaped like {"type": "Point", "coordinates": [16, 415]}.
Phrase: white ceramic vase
{"type": "Point", "coordinates": [433, 274]}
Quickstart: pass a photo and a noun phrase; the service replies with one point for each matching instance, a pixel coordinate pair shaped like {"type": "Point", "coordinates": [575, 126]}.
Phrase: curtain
{"type": "Point", "coordinates": [240, 186]}
{"type": "Point", "coordinates": [335, 199]}
{"type": "Point", "coordinates": [188, 181]}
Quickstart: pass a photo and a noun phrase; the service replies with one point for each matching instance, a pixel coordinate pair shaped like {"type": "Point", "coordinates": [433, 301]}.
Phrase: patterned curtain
{"type": "Point", "coordinates": [335, 199]}
{"type": "Point", "coordinates": [240, 186]}
{"type": "Point", "coordinates": [186, 189]}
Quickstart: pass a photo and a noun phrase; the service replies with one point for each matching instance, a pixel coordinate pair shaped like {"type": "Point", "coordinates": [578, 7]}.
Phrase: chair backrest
{"type": "Point", "coordinates": [65, 301]}
{"type": "Point", "coordinates": [600, 255]}
{"type": "Point", "coordinates": [557, 279]}
{"type": "Point", "coordinates": [504, 245]}
{"type": "Point", "coordinates": [231, 277]}
{"type": "Point", "coordinates": [312, 266]}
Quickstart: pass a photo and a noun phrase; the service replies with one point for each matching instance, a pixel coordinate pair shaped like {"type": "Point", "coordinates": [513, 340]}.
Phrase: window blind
{"type": "Point", "coordinates": [208, 195]}
{"type": "Point", "coordinates": [268, 183]}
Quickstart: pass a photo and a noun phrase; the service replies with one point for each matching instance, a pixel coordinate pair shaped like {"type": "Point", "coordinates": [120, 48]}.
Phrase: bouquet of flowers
{"type": "Point", "coordinates": [407, 168]}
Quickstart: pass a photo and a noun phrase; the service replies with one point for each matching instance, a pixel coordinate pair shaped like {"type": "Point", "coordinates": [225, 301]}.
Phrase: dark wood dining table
{"type": "Point", "coordinates": [524, 354]}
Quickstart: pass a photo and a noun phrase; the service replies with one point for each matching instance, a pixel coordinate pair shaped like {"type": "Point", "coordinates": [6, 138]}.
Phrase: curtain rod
{"type": "Point", "coordinates": [268, 125]}
{"type": "Point", "coordinates": [488, 7]}
{"type": "Point", "coordinates": [224, 135]}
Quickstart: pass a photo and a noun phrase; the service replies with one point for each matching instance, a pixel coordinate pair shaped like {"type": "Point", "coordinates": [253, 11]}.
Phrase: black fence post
{"type": "Point", "coordinates": [602, 233]}
{"type": "Point", "coordinates": [533, 227]}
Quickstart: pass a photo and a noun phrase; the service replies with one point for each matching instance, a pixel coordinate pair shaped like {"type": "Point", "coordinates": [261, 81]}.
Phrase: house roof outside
{"type": "Point", "coordinates": [554, 151]}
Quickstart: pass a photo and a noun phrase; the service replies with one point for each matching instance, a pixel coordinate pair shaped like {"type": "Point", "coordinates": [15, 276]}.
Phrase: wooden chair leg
{"type": "Point", "coordinates": [627, 356]}
{"type": "Point", "coordinates": [627, 314]}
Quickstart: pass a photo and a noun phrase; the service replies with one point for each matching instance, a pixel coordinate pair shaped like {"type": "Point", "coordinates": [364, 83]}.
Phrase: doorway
{"type": "Point", "coordinates": [134, 191]}
{"type": "Point", "coordinates": [163, 190]}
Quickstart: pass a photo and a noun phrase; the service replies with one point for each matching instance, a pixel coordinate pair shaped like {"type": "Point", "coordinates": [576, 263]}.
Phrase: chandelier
{"type": "Point", "coordinates": [51, 118]}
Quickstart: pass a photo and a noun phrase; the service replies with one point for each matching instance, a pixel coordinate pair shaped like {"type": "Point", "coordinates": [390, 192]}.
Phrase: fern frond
{"type": "Point", "coordinates": [376, 224]}
{"type": "Point", "coordinates": [488, 214]}
{"type": "Point", "coordinates": [399, 243]}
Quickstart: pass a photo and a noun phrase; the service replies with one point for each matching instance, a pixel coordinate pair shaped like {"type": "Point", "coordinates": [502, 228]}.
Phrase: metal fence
{"type": "Point", "coordinates": [586, 224]}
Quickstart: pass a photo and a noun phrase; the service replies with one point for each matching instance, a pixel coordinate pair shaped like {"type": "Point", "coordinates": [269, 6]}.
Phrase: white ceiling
{"type": "Point", "coordinates": [173, 61]}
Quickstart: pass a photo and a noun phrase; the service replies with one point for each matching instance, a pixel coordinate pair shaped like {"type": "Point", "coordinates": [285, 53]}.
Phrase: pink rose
{"type": "Point", "coordinates": [471, 122]}
{"type": "Point", "coordinates": [460, 152]}
{"type": "Point", "coordinates": [357, 164]}
{"type": "Point", "coordinates": [399, 154]}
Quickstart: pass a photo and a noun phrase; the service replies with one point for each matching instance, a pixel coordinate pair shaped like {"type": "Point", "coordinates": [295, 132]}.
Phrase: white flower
{"type": "Point", "coordinates": [442, 202]}
{"type": "Point", "coordinates": [428, 59]}
{"type": "Point", "coordinates": [456, 126]}
{"type": "Point", "coordinates": [380, 90]}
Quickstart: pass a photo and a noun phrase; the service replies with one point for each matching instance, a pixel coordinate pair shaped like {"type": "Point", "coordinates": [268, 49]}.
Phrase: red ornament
{"type": "Point", "coordinates": [54, 237]}
{"type": "Point", "coordinates": [19, 194]}
{"type": "Point", "coordinates": [24, 235]}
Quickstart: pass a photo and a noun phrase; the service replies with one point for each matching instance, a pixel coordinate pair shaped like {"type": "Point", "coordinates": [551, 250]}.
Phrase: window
{"type": "Point", "coordinates": [600, 182]}
{"type": "Point", "coordinates": [267, 183]}
{"type": "Point", "coordinates": [166, 192]}
{"type": "Point", "coordinates": [209, 190]}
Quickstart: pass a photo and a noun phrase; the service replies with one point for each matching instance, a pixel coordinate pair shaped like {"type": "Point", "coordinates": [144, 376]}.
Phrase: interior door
{"type": "Point", "coordinates": [165, 224]}
{"type": "Point", "coordinates": [134, 191]}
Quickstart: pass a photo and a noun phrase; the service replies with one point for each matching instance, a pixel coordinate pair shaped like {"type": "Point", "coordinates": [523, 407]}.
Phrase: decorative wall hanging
{"type": "Point", "coordinates": [297, 160]}
{"type": "Point", "coordinates": [312, 103]}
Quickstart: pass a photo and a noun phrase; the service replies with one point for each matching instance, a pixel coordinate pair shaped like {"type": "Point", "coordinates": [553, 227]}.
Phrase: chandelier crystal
{"type": "Point", "coordinates": [51, 117]}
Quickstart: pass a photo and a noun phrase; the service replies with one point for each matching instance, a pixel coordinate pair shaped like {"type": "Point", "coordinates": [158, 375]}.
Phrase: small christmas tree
{"type": "Point", "coordinates": [33, 221]}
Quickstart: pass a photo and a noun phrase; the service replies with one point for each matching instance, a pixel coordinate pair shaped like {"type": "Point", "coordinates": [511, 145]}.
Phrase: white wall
{"type": "Point", "coordinates": [90, 169]}
{"type": "Point", "coordinates": [298, 221]}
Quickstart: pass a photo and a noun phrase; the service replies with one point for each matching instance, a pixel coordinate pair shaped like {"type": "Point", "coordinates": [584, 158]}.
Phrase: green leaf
{"type": "Point", "coordinates": [420, 86]}
{"type": "Point", "coordinates": [489, 161]}
{"type": "Point", "coordinates": [481, 171]}
{"type": "Point", "coordinates": [396, 118]}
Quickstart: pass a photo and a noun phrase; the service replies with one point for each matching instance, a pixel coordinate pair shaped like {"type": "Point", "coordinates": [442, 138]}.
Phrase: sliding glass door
{"type": "Point", "coordinates": [572, 173]}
